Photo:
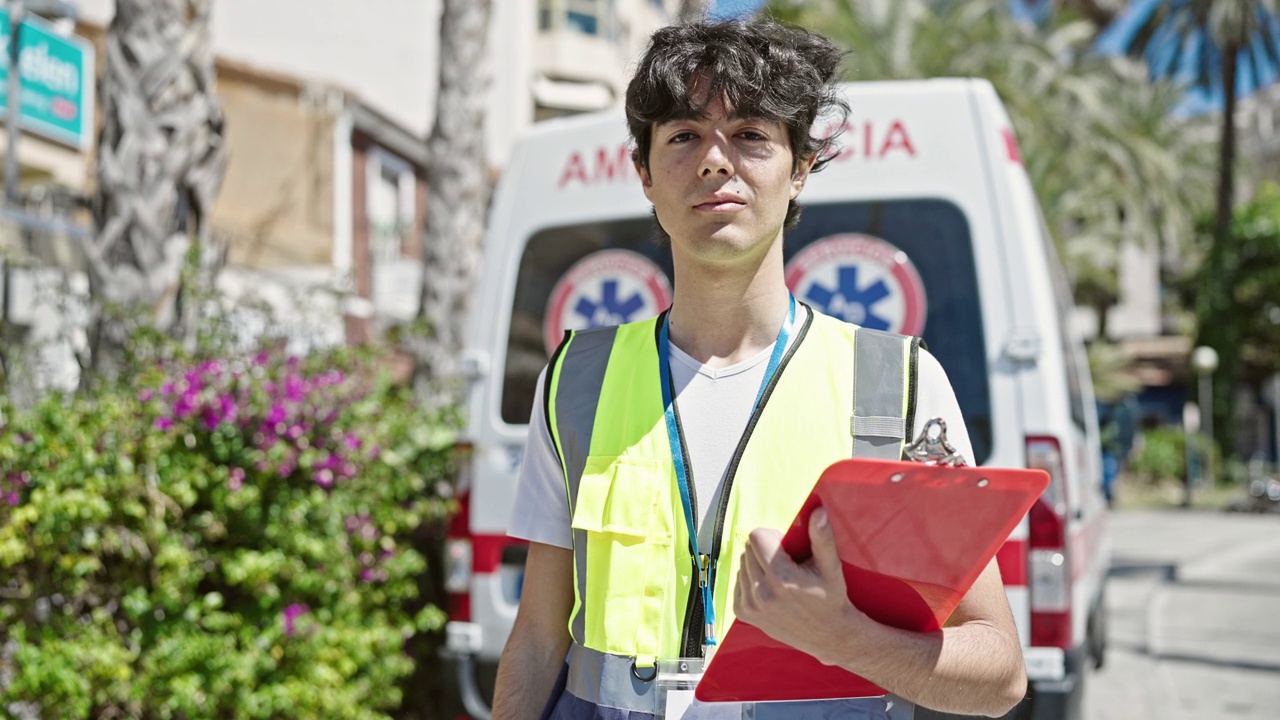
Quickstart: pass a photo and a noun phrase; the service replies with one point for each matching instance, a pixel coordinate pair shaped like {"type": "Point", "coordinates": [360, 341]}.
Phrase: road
{"type": "Point", "coordinates": [1194, 602]}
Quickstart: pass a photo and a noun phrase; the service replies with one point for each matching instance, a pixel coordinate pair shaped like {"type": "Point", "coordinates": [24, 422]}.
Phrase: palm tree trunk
{"type": "Point", "coordinates": [1103, 310]}
{"type": "Point", "coordinates": [160, 163]}
{"type": "Point", "coordinates": [457, 196]}
{"type": "Point", "coordinates": [1224, 428]}
{"type": "Point", "coordinates": [693, 10]}
{"type": "Point", "coordinates": [1227, 147]}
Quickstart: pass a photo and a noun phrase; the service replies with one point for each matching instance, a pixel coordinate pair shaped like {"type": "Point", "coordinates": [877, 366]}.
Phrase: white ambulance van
{"type": "Point", "coordinates": [926, 224]}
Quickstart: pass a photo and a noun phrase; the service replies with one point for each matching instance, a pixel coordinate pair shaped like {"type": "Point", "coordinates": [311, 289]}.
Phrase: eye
{"type": "Point", "coordinates": [681, 137]}
{"type": "Point", "coordinates": [753, 135]}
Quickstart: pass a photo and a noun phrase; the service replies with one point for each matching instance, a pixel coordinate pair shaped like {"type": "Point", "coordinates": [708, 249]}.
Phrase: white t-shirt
{"type": "Point", "coordinates": [715, 405]}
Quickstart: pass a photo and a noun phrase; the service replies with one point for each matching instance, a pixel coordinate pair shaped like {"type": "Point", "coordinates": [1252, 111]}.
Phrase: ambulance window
{"type": "Point", "coordinates": [935, 238]}
{"type": "Point", "coordinates": [547, 257]}
{"type": "Point", "coordinates": [1063, 300]}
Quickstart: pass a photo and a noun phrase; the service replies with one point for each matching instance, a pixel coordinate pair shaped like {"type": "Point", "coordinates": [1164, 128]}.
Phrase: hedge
{"type": "Point", "coordinates": [240, 537]}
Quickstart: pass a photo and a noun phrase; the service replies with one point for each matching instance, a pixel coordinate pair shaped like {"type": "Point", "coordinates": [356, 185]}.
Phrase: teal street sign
{"type": "Point", "coordinates": [57, 79]}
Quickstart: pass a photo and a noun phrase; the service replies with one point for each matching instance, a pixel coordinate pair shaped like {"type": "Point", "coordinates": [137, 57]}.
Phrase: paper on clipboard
{"type": "Point", "coordinates": [913, 538]}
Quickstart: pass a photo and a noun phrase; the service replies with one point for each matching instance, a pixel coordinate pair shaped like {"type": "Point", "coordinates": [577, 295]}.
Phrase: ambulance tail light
{"type": "Point", "coordinates": [459, 551]}
{"type": "Point", "coordinates": [1049, 567]}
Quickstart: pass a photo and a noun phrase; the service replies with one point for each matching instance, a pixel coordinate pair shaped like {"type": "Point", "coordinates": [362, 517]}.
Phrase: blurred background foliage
{"type": "Point", "coordinates": [224, 534]}
{"type": "Point", "coordinates": [1234, 291]}
{"type": "Point", "coordinates": [1110, 162]}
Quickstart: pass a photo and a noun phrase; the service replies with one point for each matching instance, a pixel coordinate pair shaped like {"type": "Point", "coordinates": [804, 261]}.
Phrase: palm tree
{"type": "Point", "coordinates": [160, 164]}
{"type": "Point", "coordinates": [1214, 38]}
{"type": "Point", "coordinates": [458, 189]}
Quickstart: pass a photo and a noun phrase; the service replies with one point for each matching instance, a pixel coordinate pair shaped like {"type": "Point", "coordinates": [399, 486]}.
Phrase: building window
{"type": "Point", "coordinates": [589, 17]}
{"type": "Point", "coordinates": [546, 14]}
{"type": "Point", "coordinates": [390, 206]}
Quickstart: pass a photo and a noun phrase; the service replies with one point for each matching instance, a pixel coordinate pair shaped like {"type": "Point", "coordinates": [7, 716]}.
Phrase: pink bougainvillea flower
{"type": "Point", "coordinates": [186, 404]}
{"type": "Point", "coordinates": [371, 575]}
{"type": "Point", "coordinates": [163, 423]}
{"type": "Point", "coordinates": [291, 615]}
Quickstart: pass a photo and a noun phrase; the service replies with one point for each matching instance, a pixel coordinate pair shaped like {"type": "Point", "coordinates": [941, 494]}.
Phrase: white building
{"type": "Point", "coordinates": [328, 105]}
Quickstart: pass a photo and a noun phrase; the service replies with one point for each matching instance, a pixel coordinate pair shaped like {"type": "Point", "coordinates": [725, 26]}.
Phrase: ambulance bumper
{"type": "Point", "coordinates": [1060, 699]}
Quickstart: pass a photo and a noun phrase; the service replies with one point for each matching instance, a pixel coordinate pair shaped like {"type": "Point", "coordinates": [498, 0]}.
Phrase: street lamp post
{"type": "Point", "coordinates": [1204, 360]}
{"type": "Point", "coordinates": [13, 106]}
{"type": "Point", "coordinates": [1194, 464]}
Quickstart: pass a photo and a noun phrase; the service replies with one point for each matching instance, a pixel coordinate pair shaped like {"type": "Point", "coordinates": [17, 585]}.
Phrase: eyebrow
{"type": "Point", "coordinates": [705, 116]}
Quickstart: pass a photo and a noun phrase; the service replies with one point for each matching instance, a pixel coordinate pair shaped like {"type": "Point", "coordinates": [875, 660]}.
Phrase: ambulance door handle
{"type": "Point", "coordinates": [1023, 345]}
{"type": "Point", "coordinates": [474, 364]}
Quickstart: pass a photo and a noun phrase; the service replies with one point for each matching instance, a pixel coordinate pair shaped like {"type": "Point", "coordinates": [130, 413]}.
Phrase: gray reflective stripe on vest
{"type": "Point", "coordinates": [879, 370]}
{"type": "Point", "coordinates": [578, 393]}
{"type": "Point", "coordinates": [607, 681]}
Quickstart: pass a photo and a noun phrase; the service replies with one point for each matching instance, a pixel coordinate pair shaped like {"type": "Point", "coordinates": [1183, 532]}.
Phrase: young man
{"type": "Point", "coordinates": [664, 455]}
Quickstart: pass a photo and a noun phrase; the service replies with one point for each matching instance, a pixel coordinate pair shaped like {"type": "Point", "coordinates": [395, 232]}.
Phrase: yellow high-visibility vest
{"type": "Point", "coordinates": [634, 579]}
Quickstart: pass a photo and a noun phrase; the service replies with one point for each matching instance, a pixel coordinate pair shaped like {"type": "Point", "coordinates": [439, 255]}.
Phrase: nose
{"type": "Point", "coordinates": [716, 160]}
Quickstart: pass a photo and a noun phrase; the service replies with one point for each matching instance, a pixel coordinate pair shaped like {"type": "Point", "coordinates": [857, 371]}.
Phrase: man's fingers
{"type": "Point", "coordinates": [766, 545]}
{"type": "Point", "coordinates": [757, 574]}
{"type": "Point", "coordinates": [823, 541]}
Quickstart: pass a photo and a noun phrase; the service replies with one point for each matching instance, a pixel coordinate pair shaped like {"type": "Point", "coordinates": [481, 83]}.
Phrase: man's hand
{"type": "Point", "coordinates": [804, 605]}
{"type": "Point", "coordinates": [973, 666]}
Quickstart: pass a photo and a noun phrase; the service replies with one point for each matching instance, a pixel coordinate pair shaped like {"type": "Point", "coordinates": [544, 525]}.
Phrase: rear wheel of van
{"type": "Point", "coordinates": [1097, 633]}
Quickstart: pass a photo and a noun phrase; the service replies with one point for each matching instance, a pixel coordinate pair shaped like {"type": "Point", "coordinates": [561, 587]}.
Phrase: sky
{"type": "Point", "coordinates": [735, 8]}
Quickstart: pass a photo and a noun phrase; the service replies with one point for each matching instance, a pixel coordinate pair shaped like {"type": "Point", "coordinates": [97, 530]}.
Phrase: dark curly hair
{"type": "Point", "coordinates": [760, 68]}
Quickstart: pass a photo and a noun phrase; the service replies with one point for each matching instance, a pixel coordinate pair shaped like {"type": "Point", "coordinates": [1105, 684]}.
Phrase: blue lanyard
{"type": "Point", "coordinates": [705, 578]}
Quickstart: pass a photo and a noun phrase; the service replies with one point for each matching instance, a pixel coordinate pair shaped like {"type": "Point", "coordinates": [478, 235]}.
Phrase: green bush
{"type": "Point", "coordinates": [237, 538]}
{"type": "Point", "coordinates": [1162, 455]}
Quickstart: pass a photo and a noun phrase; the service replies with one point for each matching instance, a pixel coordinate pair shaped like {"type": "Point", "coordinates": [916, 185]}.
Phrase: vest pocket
{"type": "Point", "coordinates": [624, 511]}
{"type": "Point", "coordinates": [619, 495]}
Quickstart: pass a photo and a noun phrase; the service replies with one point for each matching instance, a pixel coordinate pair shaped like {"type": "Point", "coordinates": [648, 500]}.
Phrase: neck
{"type": "Point", "coordinates": [725, 314]}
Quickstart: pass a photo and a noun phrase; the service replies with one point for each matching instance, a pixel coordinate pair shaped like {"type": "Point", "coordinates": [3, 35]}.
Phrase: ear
{"type": "Point", "coordinates": [801, 175]}
{"type": "Point", "coordinates": [646, 181]}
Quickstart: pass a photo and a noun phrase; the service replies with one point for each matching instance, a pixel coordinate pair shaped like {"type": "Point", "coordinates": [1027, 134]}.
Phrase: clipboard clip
{"type": "Point", "coordinates": [932, 446]}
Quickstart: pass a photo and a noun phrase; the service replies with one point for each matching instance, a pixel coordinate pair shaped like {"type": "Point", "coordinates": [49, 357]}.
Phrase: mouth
{"type": "Point", "coordinates": [720, 205]}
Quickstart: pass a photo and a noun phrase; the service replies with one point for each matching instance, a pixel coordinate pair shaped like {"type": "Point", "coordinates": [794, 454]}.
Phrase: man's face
{"type": "Point", "coordinates": [720, 184]}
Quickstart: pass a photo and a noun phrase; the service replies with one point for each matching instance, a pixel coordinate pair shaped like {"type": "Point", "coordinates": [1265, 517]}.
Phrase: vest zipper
{"type": "Point", "coordinates": [695, 622]}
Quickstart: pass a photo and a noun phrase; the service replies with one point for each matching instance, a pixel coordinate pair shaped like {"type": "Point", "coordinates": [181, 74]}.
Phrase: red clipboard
{"type": "Point", "coordinates": [913, 538]}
